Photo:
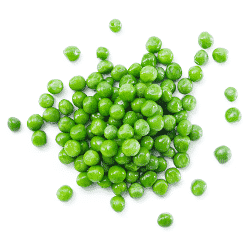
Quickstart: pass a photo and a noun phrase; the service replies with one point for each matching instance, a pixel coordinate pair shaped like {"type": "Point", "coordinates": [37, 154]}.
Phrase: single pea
{"type": "Point", "coordinates": [233, 115]}
{"type": "Point", "coordinates": [94, 79]}
{"type": "Point", "coordinates": [165, 56]}
{"type": "Point", "coordinates": [195, 74]}
{"type": "Point", "coordinates": [115, 93]}
{"type": "Point", "coordinates": [39, 138]}
{"type": "Point", "coordinates": [148, 179]}
{"type": "Point", "coordinates": [116, 174]}
{"type": "Point", "coordinates": [81, 117]}
{"type": "Point", "coordinates": [140, 89]}
{"type": "Point", "coordinates": [181, 143]}
{"type": "Point", "coordinates": [95, 173]}
{"type": "Point", "coordinates": [132, 176]}
{"type": "Point", "coordinates": [162, 143]}
{"type": "Point", "coordinates": [130, 118]}
{"type": "Point", "coordinates": [80, 165]}
{"type": "Point", "coordinates": [51, 115]}
{"type": "Point", "coordinates": [181, 115]}
{"type": "Point", "coordinates": [96, 116]}
{"type": "Point", "coordinates": [137, 103]}
{"type": "Point", "coordinates": [142, 158]}
{"type": "Point", "coordinates": [121, 158]}
{"type": "Point", "coordinates": [153, 92]}
{"type": "Point", "coordinates": [65, 107]}
{"type": "Point", "coordinates": [62, 138]}
{"type": "Point", "coordinates": [96, 143]}
{"type": "Point", "coordinates": [77, 83]}
{"type": "Point", "coordinates": [35, 122]}
{"type": "Point", "coordinates": [160, 74]}
{"type": "Point", "coordinates": [181, 160]}
{"type": "Point", "coordinates": [117, 203]}
{"type": "Point", "coordinates": [160, 187]}
{"type": "Point", "coordinates": [152, 132]}
{"type": "Point", "coordinates": [165, 220]}
{"type": "Point", "coordinates": [115, 25]}
{"type": "Point", "coordinates": [174, 105]}
{"type": "Point", "coordinates": [84, 147]}
{"type": "Point", "coordinates": [130, 147]}
{"type": "Point", "coordinates": [72, 148]}
{"type": "Point", "coordinates": [64, 158]}
{"type": "Point", "coordinates": [196, 133]}
{"type": "Point", "coordinates": [78, 132]}
{"type": "Point", "coordinates": [201, 57]}
{"type": "Point", "coordinates": [97, 127]}
{"type": "Point", "coordinates": [169, 122]}
{"type": "Point", "coordinates": [153, 163]}
{"type": "Point", "coordinates": [131, 167]}
{"type": "Point", "coordinates": [156, 122]}
{"type": "Point", "coordinates": [166, 94]}
{"type": "Point", "coordinates": [55, 86]}
{"type": "Point", "coordinates": [141, 127]}
{"type": "Point", "coordinates": [185, 86]}
{"type": "Point", "coordinates": [162, 165]}
{"type": "Point", "coordinates": [153, 44]}
{"type": "Point", "coordinates": [119, 188]}
{"type": "Point", "coordinates": [110, 132]}
{"type": "Point", "coordinates": [102, 53]}
{"type": "Point", "coordinates": [90, 135]}
{"type": "Point", "coordinates": [149, 108]}
{"type": "Point", "coordinates": [109, 148]}
{"type": "Point", "coordinates": [97, 97]}
{"type": "Point", "coordinates": [124, 104]}
{"type": "Point", "coordinates": [110, 80]}
{"type": "Point", "coordinates": [170, 84]}
{"type": "Point", "coordinates": [112, 121]}
{"type": "Point", "coordinates": [90, 105]}
{"type": "Point", "coordinates": [184, 128]}
{"type": "Point", "coordinates": [118, 72]}
{"type": "Point", "coordinates": [125, 132]}
{"type": "Point", "coordinates": [82, 180]}
{"type": "Point", "coordinates": [148, 59]}
{"type": "Point", "coordinates": [127, 92]}
{"type": "Point", "coordinates": [64, 193]}
{"type": "Point", "coordinates": [136, 190]}
{"type": "Point", "coordinates": [231, 94]}
{"type": "Point", "coordinates": [127, 79]}
{"type": "Point", "coordinates": [91, 158]}
{"type": "Point", "coordinates": [148, 74]}
{"type": "Point", "coordinates": [205, 40]}
{"type": "Point", "coordinates": [172, 175]}
{"type": "Point", "coordinates": [104, 106]}
{"type": "Point", "coordinates": [188, 102]}
{"type": "Point", "coordinates": [105, 67]}
{"type": "Point", "coordinates": [77, 99]}
{"type": "Point", "coordinates": [72, 53]}
{"type": "Point", "coordinates": [65, 124]}
{"type": "Point", "coordinates": [198, 187]}
{"type": "Point", "coordinates": [220, 55]}
{"type": "Point", "coordinates": [170, 153]}
{"type": "Point", "coordinates": [173, 71]}
{"type": "Point", "coordinates": [223, 154]}
{"type": "Point", "coordinates": [117, 111]}
{"type": "Point", "coordinates": [135, 69]}
{"type": "Point", "coordinates": [147, 142]}
{"type": "Point", "coordinates": [46, 100]}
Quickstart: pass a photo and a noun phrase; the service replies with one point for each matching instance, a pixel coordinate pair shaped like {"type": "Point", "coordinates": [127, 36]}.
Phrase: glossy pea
{"type": "Point", "coordinates": [72, 53]}
{"type": "Point", "coordinates": [153, 92]}
{"type": "Point", "coordinates": [131, 166]}
{"type": "Point", "coordinates": [201, 57]}
{"type": "Point", "coordinates": [109, 148]}
{"type": "Point", "coordinates": [105, 67]}
{"type": "Point", "coordinates": [181, 160]}
{"type": "Point", "coordinates": [64, 193]}
{"type": "Point", "coordinates": [165, 56]}
{"type": "Point", "coordinates": [140, 89]}
{"type": "Point", "coordinates": [181, 143]}
{"type": "Point", "coordinates": [51, 115]}
{"type": "Point", "coordinates": [65, 107]}
{"type": "Point", "coordinates": [188, 102]}
{"type": "Point", "coordinates": [165, 220]}
{"type": "Point", "coordinates": [198, 187]}
{"type": "Point", "coordinates": [205, 40]}
{"type": "Point", "coordinates": [148, 179]}
{"type": "Point", "coordinates": [116, 174]}
{"type": "Point", "coordinates": [166, 94]}
{"type": "Point", "coordinates": [46, 100]}
{"type": "Point", "coordinates": [84, 147]}
{"type": "Point", "coordinates": [127, 92]}
{"type": "Point", "coordinates": [231, 94]}
{"type": "Point", "coordinates": [173, 71]}
{"type": "Point", "coordinates": [55, 86]}
{"type": "Point", "coordinates": [118, 72]}
{"type": "Point", "coordinates": [149, 108]}
{"type": "Point", "coordinates": [115, 25]}
{"type": "Point", "coordinates": [147, 142]}
{"type": "Point", "coordinates": [148, 74]}
{"type": "Point", "coordinates": [130, 118]}
{"type": "Point", "coordinates": [130, 147]}
{"type": "Point", "coordinates": [97, 127]}
{"type": "Point", "coordinates": [174, 105]}
{"type": "Point", "coordinates": [184, 128]}
{"type": "Point", "coordinates": [81, 117]}
{"type": "Point", "coordinates": [153, 44]}
{"type": "Point", "coordinates": [65, 124]}
{"type": "Point", "coordinates": [153, 163]}
{"type": "Point", "coordinates": [169, 122]}
{"type": "Point", "coordinates": [62, 138]}
{"type": "Point", "coordinates": [132, 176]}
{"type": "Point", "coordinates": [104, 106]}
{"type": "Point", "coordinates": [136, 190]}
{"type": "Point", "coordinates": [117, 111]}
{"type": "Point", "coordinates": [35, 122]}
{"type": "Point", "coordinates": [223, 154]}
{"type": "Point", "coordinates": [233, 115]}
{"type": "Point", "coordinates": [148, 59]}
{"type": "Point", "coordinates": [110, 132]}
{"type": "Point", "coordinates": [127, 79]}
{"type": "Point", "coordinates": [105, 182]}
{"type": "Point", "coordinates": [72, 148]}
{"type": "Point", "coordinates": [141, 127]}
{"type": "Point", "coordinates": [195, 74]}
{"type": "Point", "coordinates": [117, 203]}
{"type": "Point", "coordinates": [119, 188]}
{"type": "Point", "coordinates": [196, 133]}
{"type": "Point", "coordinates": [137, 103]}
{"type": "Point", "coordinates": [90, 105]}
{"type": "Point", "coordinates": [142, 158]}
{"type": "Point", "coordinates": [77, 83]}
{"type": "Point", "coordinates": [96, 143]}
{"type": "Point", "coordinates": [91, 158]}
{"type": "Point", "coordinates": [102, 53]}
{"type": "Point", "coordinates": [170, 84]}
{"type": "Point", "coordinates": [110, 80]}
{"type": "Point", "coordinates": [77, 99]}
{"type": "Point", "coordinates": [220, 55]}
{"type": "Point", "coordinates": [125, 132]}
{"type": "Point", "coordinates": [160, 187]}
{"type": "Point", "coordinates": [162, 143]}
{"type": "Point", "coordinates": [104, 89]}
{"type": "Point", "coordinates": [80, 165]}
{"type": "Point", "coordinates": [39, 138]}
{"type": "Point", "coordinates": [172, 175]}
{"type": "Point", "coordinates": [95, 173]}
{"type": "Point", "coordinates": [119, 101]}
{"type": "Point", "coordinates": [180, 116]}
{"type": "Point", "coordinates": [112, 121]}
{"type": "Point", "coordinates": [170, 153]}
{"type": "Point", "coordinates": [185, 86]}
{"type": "Point", "coordinates": [82, 180]}
{"type": "Point", "coordinates": [94, 79]}
{"type": "Point", "coordinates": [135, 69]}
{"type": "Point", "coordinates": [64, 158]}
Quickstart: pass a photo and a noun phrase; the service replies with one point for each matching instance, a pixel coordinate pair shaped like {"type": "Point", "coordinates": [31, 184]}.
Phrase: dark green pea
{"type": "Point", "coordinates": [110, 132]}
{"type": "Point", "coordinates": [180, 116]}
{"type": "Point", "coordinates": [127, 92]}
{"type": "Point", "coordinates": [109, 80]}
{"type": "Point", "coordinates": [156, 122]}
{"type": "Point", "coordinates": [112, 121]}
{"type": "Point", "coordinates": [65, 124]}
{"type": "Point", "coordinates": [131, 147]}
{"type": "Point", "coordinates": [80, 165]}
{"type": "Point", "coordinates": [81, 117]}
{"type": "Point", "coordinates": [166, 94]}
{"type": "Point", "coordinates": [51, 115]}
{"type": "Point", "coordinates": [195, 74]}
{"type": "Point", "coordinates": [148, 59]}
{"type": "Point", "coordinates": [148, 74]}
{"type": "Point", "coordinates": [171, 134]}
{"type": "Point", "coordinates": [153, 44]}
{"type": "Point", "coordinates": [65, 107]}
{"type": "Point", "coordinates": [137, 103]}
{"type": "Point", "coordinates": [72, 53]}
{"type": "Point", "coordinates": [84, 146]}
{"type": "Point", "coordinates": [64, 158]}
{"type": "Point", "coordinates": [181, 160]}
{"type": "Point", "coordinates": [72, 148]}
{"type": "Point", "coordinates": [141, 127]}
{"type": "Point", "coordinates": [77, 99]}
{"type": "Point", "coordinates": [184, 128]}
{"type": "Point", "coordinates": [132, 176]}
{"type": "Point", "coordinates": [118, 72]}
{"type": "Point", "coordinates": [175, 105]}
{"type": "Point", "coordinates": [90, 105]}
{"type": "Point", "coordinates": [165, 56]}
{"type": "Point", "coordinates": [153, 163]}
{"type": "Point", "coordinates": [153, 92]}
{"type": "Point", "coordinates": [104, 106]}
{"type": "Point", "coordinates": [170, 84]}
{"type": "Point", "coordinates": [82, 180]}
{"type": "Point", "coordinates": [162, 165]}
{"type": "Point", "coordinates": [55, 86]}
{"type": "Point", "coordinates": [91, 158]}
{"type": "Point", "coordinates": [95, 173]}
{"type": "Point", "coordinates": [136, 190]}
{"type": "Point", "coordinates": [97, 127]}
{"type": "Point", "coordinates": [127, 79]}
{"type": "Point", "coordinates": [35, 122]}
{"type": "Point", "coordinates": [77, 83]}
{"type": "Point", "coordinates": [152, 132]}
{"type": "Point", "coordinates": [140, 89]}
{"type": "Point", "coordinates": [231, 94]}
{"type": "Point", "coordinates": [172, 175]}
{"type": "Point", "coordinates": [121, 158]}
{"type": "Point", "coordinates": [109, 148]}
{"type": "Point", "coordinates": [142, 158]}
{"type": "Point", "coordinates": [188, 102]}
{"type": "Point", "coordinates": [185, 86]}
{"type": "Point", "coordinates": [124, 104]}
{"type": "Point", "coordinates": [198, 187]}
{"type": "Point", "coordinates": [131, 167]}
{"type": "Point", "coordinates": [233, 115]}
{"type": "Point", "coordinates": [105, 67]}
{"type": "Point", "coordinates": [119, 188]}
{"type": "Point", "coordinates": [46, 100]}
{"type": "Point", "coordinates": [115, 25]}
{"type": "Point", "coordinates": [201, 57]}
{"type": "Point", "coordinates": [90, 135]}
{"type": "Point", "coordinates": [116, 174]}
{"type": "Point", "coordinates": [162, 143]}
{"type": "Point", "coordinates": [169, 122]}
{"type": "Point", "coordinates": [205, 40]}
{"type": "Point", "coordinates": [160, 187]}
{"type": "Point", "coordinates": [94, 79]}
{"type": "Point", "coordinates": [148, 179]}
{"type": "Point", "coordinates": [159, 111]}
{"type": "Point", "coordinates": [149, 108]}
{"type": "Point", "coordinates": [105, 182]}
{"type": "Point", "coordinates": [135, 69]}
{"type": "Point", "coordinates": [62, 138]}
{"type": "Point", "coordinates": [106, 166]}
{"type": "Point", "coordinates": [147, 142]}
{"type": "Point", "coordinates": [115, 93]}
{"type": "Point", "coordinates": [130, 118]}
{"type": "Point", "coordinates": [181, 143]}
{"type": "Point", "coordinates": [117, 111]}
{"type": "Point", "coordinates": [97, 97]}
{"type": "Point", "coordinates": [170, 153]}
{"type": "Point", "coordinates": [108, 160]}
{"type": "Point", "coordinates": [223, 154]}
{"type": "Point", "coordinates": [196, 133]}
{"type": "Point", "coordinates": [102, 53]}
{"type": "Point", "coordinates": [64, 193]}
{"type": "Point", "coordinates": [39, 138]}
{"type": "Point", "coordinates": [165, 220]}
{"type": "Point", "coordinates": [173, 71]}
{"type": "Point", "coordinates": [220, 55]}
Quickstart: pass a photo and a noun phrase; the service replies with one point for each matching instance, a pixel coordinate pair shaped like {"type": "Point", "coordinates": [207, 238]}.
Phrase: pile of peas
{"type": "Point", "coordinates": [114, 135]}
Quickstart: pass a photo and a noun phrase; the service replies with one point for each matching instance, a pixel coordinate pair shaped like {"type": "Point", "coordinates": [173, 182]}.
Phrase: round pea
{"type": "Point", "coordinates": [148, 59]}
{"type": "Point", "coordinates": [141, 127]}
{"type": "Point", "coordinates": [46, 100]}
{"type": "Point", "coordinates": [90, 105]}
{"type": "Point", "coordinates": [77, 99]}
{"type": "Point", "coordinates": [116, 174]}
{"type": "Point", "coordinates": [165, 56]}
{"type": "Point", "coordinates": [130, 147]}
{"type": "Point", "coordinates": [117, 203]}
{"type": "Point", "coordinates": [160, 74]}
{"type": "Point", "coordinates": [35, 122]}
{"type": "Point", "coordinates": [121, 158]}
{"type": "Point", "coordinates": [153, 44]}
{"type": "Point", "coordinates": [132, 176]}
{"type": "Point", "coordinates": [201, 57]}
{"type": "Point", "coordinates": [80, 165]}
{"type": "Point", "coordinates": [72, 148]}
{"type": "Point", "coordinates": [142, 158]}
{"type": "Point", "coordinates": [91, 158]}
{"type": "Point", "coordinates": [102, 53]}
{"type": "Point", "coordinates": [94, 79]}
{"type": "Point", "coordinates": [119, 188]}
{"type": "Point", "coordinates": [198, 187]}
{"type": "Point", "coordinates": [72, 53]}
{"type": "Point", "coordinates": [127, 92]}
{"type": "Point", "coordinates": [104, 106]}
{"type": "Point", "coordinates": [14, 124]}
{"type": "Point", "coordinates": [127, 79]}
{"type": "Point", "coordinates": [160, 187]}
{"type": "Point", "coordinates": [223, 154]}
{"type": "Point", "coordinates": [135, 70]}
{"type": "Point", "coordinates": [170, 153]}
{"type": "Point", "coordinates": [130, 118]}
{"type": "Point", "coordinates": [64, 158]}
{"type": "Point", "coordinates": [181, 160]}
{"type": "Point", "coordinates": [205, 40]}
{"type": "Point", "coordinates": [117, 111]}
{"type": "Point", "coordinates": [125, 132]}
{"type": "Point", "coordinates": [166, 94]}
{"type": "Point", "coordinates": [105, 67]}
{"type": "Point", "coordinates": [181, 115]}
{"type": "Point", "coordinates": [162, 165]}
{"type": "Point", "coordinates": [140, 89]}
{"type": "Point", "coordinates": [153, 163]}
{"type": "Point", "coordinates": [82, 180]}
{"type": "Point", "coordinates": [118, 72]}
{"type": "Point", "coordinates": [149, 108]}
{"type": "Point", "coordinates": [115, 25]}
{"type": "Point", "coordinates": [65, 107]}
{"type": "Point", "coordinates": [110, 132]}
{"type": "Point", "coordinates": [55, 86]}
{"type": "Point", "coordinates": [169, 122]}
{"type": "Point", "coordinates": [153, 92]}
{"type": "Point", "coordinates": [220, 55]}
{"type": "Point", "coordinates": [95, 173]}
{"type": "Point", "coordinates": [148, 74]}
{"type": "Point", "coordinates": [136, 190]}
{"type": "Point", "coordinates": [65, 124]}
{"type": "Point", "coordinates": [109, 148]}
{"type": "Point", "coordinates": [147, 142]}
{"type": "Point", "coordinates": [184, 128]}
{"type": "Point", "coordinates": [81, 117]}
{"type": "Point", "coordinates": [196, 133]}
{"type": "Point", "coordinates": [77, 83]}
{"type": "Point", "coordinates": [188, 102]}
{"type": "Point", "coordinates": [185, 86]}
{"type": "Point", "coordinates": [195, 74]}
{"type": "Point", "coordinates": [173, 71]}
{"type": "Point", "coordinates": [62, 138]}
{"type": "Point", "coordinates": [64, 193]}
{"type": "Point", "coordinates": [181, 143]}
{"type": "Point", "coordinates": [231, 94]}
{"type": "Point", "coordinates": [233, 115]}
{"type": "Point", "coordinates": [51, 115]}
{"type": "Point", "coordinates": [148, 179]}
{"type": "Point", "coordinates": [170, 84]}
{"type": "Point", "coordinates": [172, 175]}
{"type": "Point", "coordinates": [156, 122]}
{"type": "Point", "coordinates": [165, 220]}
{"type": "Point", "coordinates": [162, 143]}
{"type": "Point", "coordinates": [39, 138]}
{"type": "Point", "coordinates": [174, 105]}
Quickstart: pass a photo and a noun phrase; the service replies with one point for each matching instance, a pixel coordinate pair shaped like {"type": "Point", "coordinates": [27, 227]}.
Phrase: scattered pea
{"type": "Point", "coordinates": [64, 193]}
{"type": "Point", "coordinates": [14, 124]}
{"type": "Point", "coordinates": [231, 94]}
{"type": "Point", "coordinates": [165, 220]}
{"type": "Point", "coordinates": [233, 115]}
{"type": "Point", "coordinates": [223, 154]}
{"type": "Point", "coordinates": [198, 187]}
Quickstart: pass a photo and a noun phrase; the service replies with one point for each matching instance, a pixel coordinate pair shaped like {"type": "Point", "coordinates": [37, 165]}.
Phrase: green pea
{"type": "Point", "coordinates": [96, 143]}
{"type": "Point", "coordinates": [35, 122]}
{"type": "Point", "coordinates": [125, 132]}
{"type": "Point", "coordinates": [117, 203]}
{"type": "Point", "coordinates": [64, 158]}
{"type": "Point", "coordinates": [46, 100]}
{"type": "Point", "coordinates": [51, 115]}
{"type": "Point", "coordinates": [170, 84]}
{"type": "Point", "coordinates": [160, 74]}
{"type": "Point", "coordinates": [118, 72]}
{"type": "Point", "coordinates": [181, 160]}
{"type": "Point", "coordinates": [65, 107]}
{"type": "Point", "coordinates": [39, 138]}
{"type": "Point", "coordinates": [95, 173]}
{"type": "Point", "coordinates": [109, 148]}
{"type": "Point", "coordinates": [198, 187]}
{"type": "Point", "coordinates": [78, 132]}
{"type": "Point", "coordinates": [65, 124]}
{"type": "Point", "coordinates": [170, 153]}
{"type": "Point", "coordinates": [77, 83]}
{"type": "Point", "coordinates": [64, 193]}
{"type": "Point", "coordinates": [108, 160]}
{"type": "Point", "coordinates": [121, 158]}
{"type": "Point", "coordinates": [188, 102]}
{"type": "Point", "coordinates": [156, 122]}
{"type": "Point", "coordinates": [196, 133]}
{"type": "Point", "coordinates": [148, 59]}
{"type": "Point", "coordinates": [153, 44]}
{"type": "Point", "coordinates": [130, 118]}
{"type": "Point", "coordinates": [205, 40]}
{"type": "Point", "coordinates": [94, 79]}
{"type": "Point", "coordinates": [169, 122]}
{"type": "Point", "coordinates": [91, 158]}
{"type": "Point", "coordinates": [124, 104]}
{"type": "Point", "coordinates": [181, 115]}
{"type": "Point", "coordinates": [173, 71]}
{"type": "Point", "coordinates": [149, 108]}
{"type": "Point", "coordinates": [115, 25]}
{"type": "Point", "coordinates": [112, 121]}
{"type": "Point", "coordinates": [152, 132]}
{"type": "Point", "coordinates": [148, 179]}
{"type": "Point", "coordinates": [142, 158]}
{"type": "Point", "coordinates": [223, 154]}
{"type": "Point", "coordinates": [84, 146]}
{"type": "Point", "coordinates": [172, 175]}
{"type": "Point", "coordinates": [90, 105]}
{"type": "Point", "coordinates": [119, 188]}
{"type": "Point", "coordinates": [81, 117]}
{"type": "Point", "coordinates": [181, 143]}
{"type": "Point", "coordinates": [153, 163]}
{"type": "Point", "coordinates": [104, 106]}
{"type": "Point", "coordinates": [116, 174]}
{"type": "Point", "coordinates": [137, 103]}
{"type": "Point", "coordinates": [132, 176]}
{"type": "Point", "coordinates": [162, 143]}
{"type": "Point", "coordinates": [90, 135]}
{"type": "Point", "coordinates": [136, 190]}
{"type": "Point", "coordinates": [105, 67]}
{"type": "Point", "coordinates": [220, 55]}
{"type": "Point", "coordinates": [102, 53]}
{"type": "Point", "coordinates": [55, 86]}
{"type": "Point", "coordinates": [110, 132]}
{"type": "Point", "coordinates": [72, 53]}
{"type": "Point", "coordinates": [105, 182]}
{"type": "Point", "coordinates": [80, 165]}
{"type": "Point", "coordinates": [184, 128]}
{"type": "Point", "coordinates": [147, 142]}
{"type": "Point", "coordinates": [185, 86]}
{"type": "Point", "coordinates": [130, 147]}
{"type": "Point", "coordinates": [153, 92]}
{"type": "Point", "coordinates": [201, 57]}
{"type": "Point", "coordinates": [195, 74]}
{"type": "Point", "coordinates": [233, 115]}
{"type": "Point", "coordinates": [160, 187]}
{"type": "Point", "coordinates": [174, 105]}
{"type": "Point", "coordinates": [115, 93]}
{"type": "Point", "coordinates": [141, 127]}
{"type": "Point", "coordinates": [231, 94]}
{"type": "Point", "coordinates": [62, 138]}
{"type": "Point", "coordinates": [131, 167]}
{"type": "Point", "coordinates": [127, 79]}
{"type": "Point", "coordinates": [117, 111]}
{"type": "Point", "coordinates": [140, 89]}
{"type": "Point", "coordinates": [148, 74]}
{"type": "Point", "coordinates": [72, 148]}
{"type": "Point", "coordinates": [166, 94]}
{"type": "Point", "coordinates": [165, 220]}
{"type": "Point", "coordinates": [82, 180]}
{"type": "Point", "coordinates": [97, 116]}
{"type": "Point", "coordinates": [110, 80]}
{"type": "Point", "coordinates": [165, 56]}
{"type": "Point", "coordinates": [77, 99]}
{"type": "Point", "coordinates": [127, 92]}
{"type": "Point", "coordinates": [135, 70]}
{"type": "Point", "coordinates": [97, 127]}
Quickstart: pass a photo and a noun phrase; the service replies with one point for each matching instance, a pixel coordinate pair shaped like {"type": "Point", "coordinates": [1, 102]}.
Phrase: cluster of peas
{"type": "Point", "coordinates": [115, 133]}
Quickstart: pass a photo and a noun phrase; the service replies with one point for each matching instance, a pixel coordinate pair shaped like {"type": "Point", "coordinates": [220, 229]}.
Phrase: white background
{"type": "Point", "coordinates": [33, 37]}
